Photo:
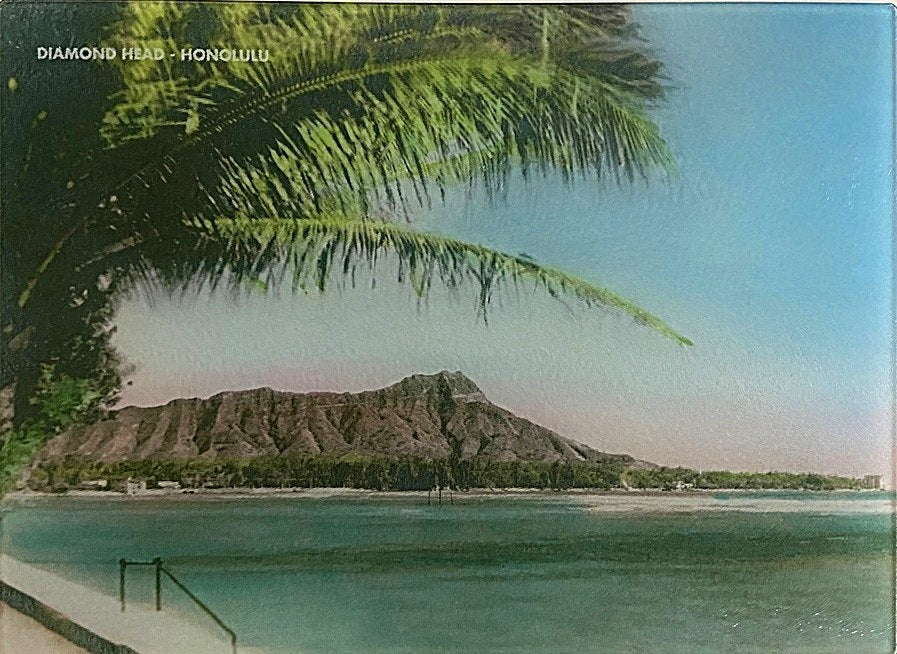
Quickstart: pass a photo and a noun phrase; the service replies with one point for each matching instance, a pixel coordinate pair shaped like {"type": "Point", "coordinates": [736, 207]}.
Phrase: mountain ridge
{"type": "Point", "coordinates": [434, 416]}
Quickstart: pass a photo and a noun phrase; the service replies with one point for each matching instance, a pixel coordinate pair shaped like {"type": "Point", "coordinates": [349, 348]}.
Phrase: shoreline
{"type": "Point", "coordinates": [319, 493]}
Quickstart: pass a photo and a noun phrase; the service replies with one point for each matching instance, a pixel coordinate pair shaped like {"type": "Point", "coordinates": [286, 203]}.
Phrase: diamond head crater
{"type": "Point", "coordinates": [425, 432]}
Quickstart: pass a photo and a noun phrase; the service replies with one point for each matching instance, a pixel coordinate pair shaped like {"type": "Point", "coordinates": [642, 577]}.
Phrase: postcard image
{"type": "Point", "coordinates": [367, 328]}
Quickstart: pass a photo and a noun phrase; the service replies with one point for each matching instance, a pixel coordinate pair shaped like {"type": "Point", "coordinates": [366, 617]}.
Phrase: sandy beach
{"type": "Point", "coordinates": [19, 633]}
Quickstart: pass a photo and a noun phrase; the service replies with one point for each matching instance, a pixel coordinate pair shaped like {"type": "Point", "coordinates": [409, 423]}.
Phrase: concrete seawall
{"type": "Point", "coordinates": [95, 622]}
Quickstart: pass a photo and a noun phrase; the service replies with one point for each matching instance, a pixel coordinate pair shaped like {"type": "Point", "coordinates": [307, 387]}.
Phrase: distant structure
{"type": "Point", "coordinates": [94, 484]}
{"type": "Point", "coordinates": [134, 487]}
{"type": "Point", "coordinates": [872, 481]}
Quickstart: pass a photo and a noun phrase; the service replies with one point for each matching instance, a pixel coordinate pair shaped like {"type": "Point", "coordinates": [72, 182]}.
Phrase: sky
{"type": "Point", "coordinates": [771, 249]}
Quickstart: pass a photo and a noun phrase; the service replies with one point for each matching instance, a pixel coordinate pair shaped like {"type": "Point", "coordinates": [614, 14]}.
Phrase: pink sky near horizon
{"type": "Point", "coordinates": [702, 433]}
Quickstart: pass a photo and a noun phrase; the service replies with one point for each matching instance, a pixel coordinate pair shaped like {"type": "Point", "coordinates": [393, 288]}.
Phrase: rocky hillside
{"type": "Point", "coordinates": [423, 415]}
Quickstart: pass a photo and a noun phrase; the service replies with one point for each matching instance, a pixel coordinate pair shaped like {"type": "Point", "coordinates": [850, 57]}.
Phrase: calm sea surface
{"type": "Point", "coordinates": [776, 572]}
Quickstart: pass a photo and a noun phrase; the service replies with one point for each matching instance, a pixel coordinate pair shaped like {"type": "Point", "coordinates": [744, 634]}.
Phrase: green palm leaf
{"type": "Point", "coordinates": [460, 119]}
{"type": "Point", "coordinates": [307, 251]}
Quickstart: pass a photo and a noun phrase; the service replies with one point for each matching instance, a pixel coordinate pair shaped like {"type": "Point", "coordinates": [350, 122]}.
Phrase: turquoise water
{"type": "Point", "coordinates": [525, 574]}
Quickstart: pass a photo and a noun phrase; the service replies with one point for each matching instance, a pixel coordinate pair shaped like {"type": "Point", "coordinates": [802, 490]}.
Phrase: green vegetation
{"type": "Point", "coordinates": [410, 473]}
{"type": "Point", "coordinates": [334, 471]}
{"type": "Point", "coordinates": [667, 478]}
{"type": "Point", "coordinates": [61, 401]}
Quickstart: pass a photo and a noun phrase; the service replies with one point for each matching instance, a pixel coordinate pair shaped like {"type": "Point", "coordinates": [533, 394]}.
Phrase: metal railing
{"type": "Point", "coordinates": [160, 569]}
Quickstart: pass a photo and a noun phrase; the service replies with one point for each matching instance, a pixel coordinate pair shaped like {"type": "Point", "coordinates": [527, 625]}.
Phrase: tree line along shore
{"type": "Point", "coordinates": [405, 474]}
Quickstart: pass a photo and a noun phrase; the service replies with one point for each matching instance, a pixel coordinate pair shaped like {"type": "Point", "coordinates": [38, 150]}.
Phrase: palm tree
{"type": "Point", "coordinates": [293, 171]}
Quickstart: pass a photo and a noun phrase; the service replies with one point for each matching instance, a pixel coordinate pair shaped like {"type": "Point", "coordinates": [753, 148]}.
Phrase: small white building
{"type": "Point", "coordinates": [166, 484]}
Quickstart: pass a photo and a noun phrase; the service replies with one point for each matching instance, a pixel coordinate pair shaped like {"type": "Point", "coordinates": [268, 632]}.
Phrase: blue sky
{"type": "Point", "coordinates": [771, 249]}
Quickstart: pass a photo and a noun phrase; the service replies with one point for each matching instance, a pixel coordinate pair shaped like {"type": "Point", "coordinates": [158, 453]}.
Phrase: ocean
{"type": "Point", "coordinates": [739, 572]}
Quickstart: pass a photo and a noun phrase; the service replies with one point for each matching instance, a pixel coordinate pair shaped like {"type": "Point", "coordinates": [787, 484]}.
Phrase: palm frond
{"type": "Point", "coordinates": [363, 101]}
{"type": "Point", "coordinates": [315, 46]}
{"type": "Point", "coordinates": [309, 43]}
{"type": "Point", "coordinates": [438, 122]}
{"type": "Point", "coordinates": [308, 251]}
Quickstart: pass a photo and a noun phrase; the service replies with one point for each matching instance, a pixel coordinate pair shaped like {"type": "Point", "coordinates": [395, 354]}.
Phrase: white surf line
{"type": "Point", "coordinates": [140, 627]}
{"type": "Point", "coordinates": [736, 502]}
